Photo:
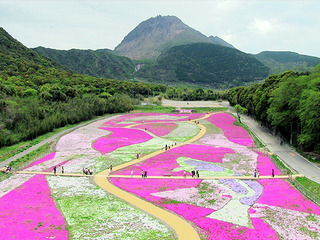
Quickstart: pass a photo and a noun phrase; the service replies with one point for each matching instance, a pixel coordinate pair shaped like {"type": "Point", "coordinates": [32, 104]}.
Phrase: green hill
{"type": "Point", "coordinates": [99, 63]}
{"type": "Point", "coordinates": [38, 95]}
{"type": "Point", "coordinates": [204, 64]}
{"type": "Point", "coordinates": [279, 62]}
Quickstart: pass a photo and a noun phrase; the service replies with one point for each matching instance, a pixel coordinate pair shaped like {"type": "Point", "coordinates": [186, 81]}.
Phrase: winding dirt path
{"type": "Point", "coordinates": [182, 228]}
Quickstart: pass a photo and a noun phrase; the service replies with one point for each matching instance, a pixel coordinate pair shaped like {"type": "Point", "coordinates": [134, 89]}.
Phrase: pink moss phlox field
{"type": "Point", "coordinates": [214, 229]}
{"type": "Point", "coordinates": [234, 133]}
{"type": "Point", "coordinates": [29, 212]}
{"type": "Point", "coordinates": [120, 137]}
{"type": "Point", "coordinates": [224, 230]}
{"type": "Point", "coordinates": [280, 193]}
{"type": "Point", "coordinates": [42, 160]}
{"type": "Point", "coordinates": [265, 166]}
{"type": "Point", "coordinates": [117, 122]}
{"type": "Point", "coordinates": [144, 187]}
{"type": "Point", "coordinates": [165, 162]}
{"type": "Point", "coordinates": [158, 129]}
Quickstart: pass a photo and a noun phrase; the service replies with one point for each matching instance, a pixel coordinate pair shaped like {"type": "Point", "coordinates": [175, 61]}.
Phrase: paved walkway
{"type": "Point", "coordinates": [285, 152]}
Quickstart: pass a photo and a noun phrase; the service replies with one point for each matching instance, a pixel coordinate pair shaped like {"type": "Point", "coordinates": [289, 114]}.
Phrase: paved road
{"type": "Point", "coordinates": [285, 152]}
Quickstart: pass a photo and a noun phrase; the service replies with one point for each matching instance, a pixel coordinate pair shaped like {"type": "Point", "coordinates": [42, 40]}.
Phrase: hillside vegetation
{"type": "Point", "coordinates": [38, 95]}
{"type": "Point", "coordinates": [100, 63]}
{"type": "Point", "coordinates": [279, 62]}
{"type": "Point", "coordinates": [290, 102]}
{"type": "Point", "coordinates": [204, 64]}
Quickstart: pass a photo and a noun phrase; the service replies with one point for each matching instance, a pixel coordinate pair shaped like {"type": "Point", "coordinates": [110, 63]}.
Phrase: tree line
{"type": "Point", "coordinates": [289, 102]}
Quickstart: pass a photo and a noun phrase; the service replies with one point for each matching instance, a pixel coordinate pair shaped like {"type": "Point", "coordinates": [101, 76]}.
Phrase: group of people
{"type": "Point", "coordinates": [195, 173]}
{"type": "Point", "coordinates": [55, 169]}
{"type": "Point", "coordinates": [87, 171]}
{"type": "Point", "coordinates": [144, 174]}
{"type": "Point", "coordinates": [167, 146]}
{"type": "Point", "coordinates": [9, 169]}
{"type": "Point", "coordinates": [257, 173]}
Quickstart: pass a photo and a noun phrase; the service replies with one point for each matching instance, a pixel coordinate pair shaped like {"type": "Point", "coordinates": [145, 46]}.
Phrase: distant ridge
{"type": "Point", "coordinates": [155, 35]}
{"type": "Point", "coordinates": [281, 61]}
{"type": "Point", "coordinates": [204, 64]}
{"type": "Point", "coordinates": [219, 41]}
{"type": "Point", "coordinates": [99, 63]}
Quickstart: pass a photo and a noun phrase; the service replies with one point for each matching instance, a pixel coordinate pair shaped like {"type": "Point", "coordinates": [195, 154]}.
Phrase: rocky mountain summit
{"type": "Point", "coordinates": [158, 34]}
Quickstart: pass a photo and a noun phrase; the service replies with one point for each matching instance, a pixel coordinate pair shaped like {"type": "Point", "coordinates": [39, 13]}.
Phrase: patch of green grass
{"type": "Point", "coordinates": [313, 235]}
{"type": "Point", "coordinates": [309, 185]}
{"type": "Point", "coordinates": [151, 108]}
{"type": "Point", "coordinates": [170, 201]}
{"type": "Point", "coordinates": [30, 157]}
{"type": "Point", "coordinates": [281, 164]}
{"type": "Point", "coordinates": [4, 176]}
{"type": "Point", "coordinates": [311, 218]}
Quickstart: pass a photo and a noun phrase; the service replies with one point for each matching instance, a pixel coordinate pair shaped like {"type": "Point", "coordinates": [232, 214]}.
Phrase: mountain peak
{"type": "Point", "coordinates": [157, 34]}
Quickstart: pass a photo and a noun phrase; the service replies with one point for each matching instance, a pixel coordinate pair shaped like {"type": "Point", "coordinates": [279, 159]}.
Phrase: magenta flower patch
{"type": "Point", "coordinates": [29, 212]}
{"type": "Point", "coordinates": [42, 160]}
{"type": "Point", "coordinates": [234, 133]}
{"type": "Point", "coordinates": [280, 193]}
{"type": "Point", "coordinates": [129, 119]}
{"type": "Point", "coordinates": [166, 162]}
{"type": "Point", "coordinates": [120, 137]}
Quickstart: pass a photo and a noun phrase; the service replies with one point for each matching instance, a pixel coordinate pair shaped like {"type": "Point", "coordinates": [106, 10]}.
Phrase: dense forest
{"type": "Point", "coordinates": [38, 95]}
{"type": "Point", "coordinates": [279, 62]}
{"type": "Point", "coordinates": [99, 63]}
{"type": "Point", "coordinates": [204, 64]}
{"type": "Point", "coordinates": [289, 102]}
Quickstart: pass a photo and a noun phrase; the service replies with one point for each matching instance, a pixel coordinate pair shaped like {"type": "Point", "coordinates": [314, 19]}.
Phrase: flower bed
{"type": "Point", "coordinates": [158, 129]}
{"type": "Point", "coordinates": [91, 213]}
{"type": "Point", "coordinates": [28, 212]}
{"type": "Point", "coordinates": [183, 132]}
{"type": "Point", "coordinates": [166, 162]}
{"type": "Point", "coordinates": [129, 119]}
{"type": "Point", "coordinates": [120, 137]}
{"type": "Point", "coordinates": [232, 132]}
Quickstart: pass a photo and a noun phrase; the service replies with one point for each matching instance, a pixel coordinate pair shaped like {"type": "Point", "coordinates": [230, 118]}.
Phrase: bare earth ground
{"type": "Point", "coordinates": [190, 104]}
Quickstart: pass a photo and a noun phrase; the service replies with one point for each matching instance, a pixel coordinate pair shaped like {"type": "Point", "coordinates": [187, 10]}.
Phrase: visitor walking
{"type": "Point", "coordinates": [54, 169]}
{"type": "Point", "coordinates": [255, 173]}
{"type": "Point", "coordinates": [272, 173]}
{"type": "Point", "coordinates": [142, 174]}
{"type": "Point", "coordinates": [145, 174]}
{"type": "Point", "coordinates": [111, 168]}
{"type": "Point", "coordinates": [131, 173]}
{"type": "Point", "coordinates": [62, 170]}
{"type": "Point", "coordinates": [184, 173]}
{"type": "Point", "coordinates": [197, 172]}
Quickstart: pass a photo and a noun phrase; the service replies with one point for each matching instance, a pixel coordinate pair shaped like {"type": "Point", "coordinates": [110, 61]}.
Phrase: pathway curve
{"type": "Point", "coordinates": [182, 228]}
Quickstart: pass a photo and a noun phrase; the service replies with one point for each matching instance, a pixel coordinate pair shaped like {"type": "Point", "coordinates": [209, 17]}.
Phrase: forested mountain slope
{"type": "Point", "coordinates": [279, 62]}
{"type": "Point", "coordinates": [98, 63]}
{"type": "Point", "coordinates": [38, 95]}
{"type": "Point", "coordinates": [204, 64]}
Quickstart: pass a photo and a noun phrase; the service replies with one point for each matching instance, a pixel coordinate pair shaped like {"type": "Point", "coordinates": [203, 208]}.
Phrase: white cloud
{"type": "Point", "coordinates": [263, 26]}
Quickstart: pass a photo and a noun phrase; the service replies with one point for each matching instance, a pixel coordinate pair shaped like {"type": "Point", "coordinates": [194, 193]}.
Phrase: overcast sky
{"type": "Point", "coordinates": [251, 26]}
